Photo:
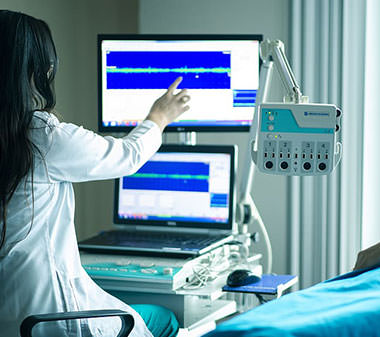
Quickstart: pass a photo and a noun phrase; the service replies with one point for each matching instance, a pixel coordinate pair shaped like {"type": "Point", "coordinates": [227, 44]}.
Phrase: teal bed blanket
{"type": "Point", "coordinates": [348, 305]}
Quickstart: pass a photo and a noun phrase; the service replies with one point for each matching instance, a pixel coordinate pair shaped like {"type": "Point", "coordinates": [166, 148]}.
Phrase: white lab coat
{"type": "Point", "coordinates": [40, 269]}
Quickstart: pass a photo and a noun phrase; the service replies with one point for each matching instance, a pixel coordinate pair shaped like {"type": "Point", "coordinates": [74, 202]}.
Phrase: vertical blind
{"type": "Point", "coordinates": [327, 56]}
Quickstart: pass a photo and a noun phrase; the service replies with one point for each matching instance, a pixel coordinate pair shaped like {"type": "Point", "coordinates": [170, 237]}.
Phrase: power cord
{"type": "Point", "coordinates": [208, 269]}
{"type": "Point", "coordinates": [261, 299]}
{"type": "Point", "coordinates": [215, 263]}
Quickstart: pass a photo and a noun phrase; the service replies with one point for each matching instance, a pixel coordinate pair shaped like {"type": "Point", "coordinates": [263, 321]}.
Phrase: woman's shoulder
{"type": "Point", "coordinates": [41, 129]}
{"type": "Point", "coordinates": [43, 119]}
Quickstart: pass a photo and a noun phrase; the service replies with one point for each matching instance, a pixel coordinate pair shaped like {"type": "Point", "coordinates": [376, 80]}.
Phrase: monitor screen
{"type": "Point", "coordinates": [182, 186]}
{"type": "Point", "coordinates": [220, 72]}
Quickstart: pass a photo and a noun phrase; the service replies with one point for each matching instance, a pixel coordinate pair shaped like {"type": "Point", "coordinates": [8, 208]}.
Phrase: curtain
{"type": "Point", "coordinates": [327, 57]}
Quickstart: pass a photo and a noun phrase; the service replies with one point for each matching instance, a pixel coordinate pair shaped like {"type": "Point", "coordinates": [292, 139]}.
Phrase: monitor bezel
{"type": "Point", "coordinates": [228, 226]}
{"type": "Point", "coordinates": [184, 37]}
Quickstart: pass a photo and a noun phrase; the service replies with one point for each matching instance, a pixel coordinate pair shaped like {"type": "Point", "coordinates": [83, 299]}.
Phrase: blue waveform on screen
{"type": "Point", "coordinates": [219, 200]}
{"type": "Point", "coordinates": [158, 69]}
{"type": "Point", "coordinates": [170, 176]}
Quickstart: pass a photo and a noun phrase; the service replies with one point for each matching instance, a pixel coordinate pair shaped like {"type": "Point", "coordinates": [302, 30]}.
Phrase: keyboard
{"type": "Point", "coordinates": [156, 240]}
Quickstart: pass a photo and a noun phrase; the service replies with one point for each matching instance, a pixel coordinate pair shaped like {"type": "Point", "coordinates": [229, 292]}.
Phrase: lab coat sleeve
{"type": "Point", "coordinates": [76, 154]}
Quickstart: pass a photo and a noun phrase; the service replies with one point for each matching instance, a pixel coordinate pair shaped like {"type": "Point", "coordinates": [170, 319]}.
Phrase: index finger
{"type": "Point", "coordinates": [174, 85]}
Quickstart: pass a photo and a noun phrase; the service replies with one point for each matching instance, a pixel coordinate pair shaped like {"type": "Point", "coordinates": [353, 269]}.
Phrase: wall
{"type": "Point", "coordinates": [75, 25]}
{"type": "Point", "coordinates": [269, 17]}
{"type": "Point", "coordinates": [371, 155]}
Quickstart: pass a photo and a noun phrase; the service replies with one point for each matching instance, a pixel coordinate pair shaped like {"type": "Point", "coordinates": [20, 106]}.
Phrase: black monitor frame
{"type": "Point", "coordinates": [187, 128]}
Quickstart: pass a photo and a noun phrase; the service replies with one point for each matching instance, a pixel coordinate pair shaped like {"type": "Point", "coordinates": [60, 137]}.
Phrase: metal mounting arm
{"type": "Point", "coordinates": [274, 50]}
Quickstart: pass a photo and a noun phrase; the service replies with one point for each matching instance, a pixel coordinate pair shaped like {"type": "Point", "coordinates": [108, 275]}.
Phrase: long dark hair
{"type": "Point", "coordinates": [28, 63]}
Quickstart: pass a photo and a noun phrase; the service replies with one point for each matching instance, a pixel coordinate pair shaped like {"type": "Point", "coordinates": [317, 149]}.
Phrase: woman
{"type": "Point", "coordinates": [40, 157]}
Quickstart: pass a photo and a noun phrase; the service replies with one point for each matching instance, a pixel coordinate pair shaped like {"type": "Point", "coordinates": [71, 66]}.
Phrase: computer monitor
{"type": "Point", "coordinates": [180, 186]}
{"type": "Point", "coordinates": [221, 73]}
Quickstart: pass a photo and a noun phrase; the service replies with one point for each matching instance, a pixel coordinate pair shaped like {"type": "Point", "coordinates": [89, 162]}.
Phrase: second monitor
{"type": "Point", "coordinates": [181, 202]}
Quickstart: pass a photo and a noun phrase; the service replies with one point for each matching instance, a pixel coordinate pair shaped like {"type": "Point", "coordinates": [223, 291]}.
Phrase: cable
{"type": "Point", "coordinates": [261, 299]}
{"type": "Point", "coordinates": [208, 269]}
{"type": "Point", "coordinates": [218, 261]}
{"type": "Point", "coordinates": [256, 216]}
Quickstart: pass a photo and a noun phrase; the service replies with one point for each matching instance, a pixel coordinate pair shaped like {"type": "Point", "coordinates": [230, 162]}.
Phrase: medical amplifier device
{"type": "Point", "coordinates": [297, 139]}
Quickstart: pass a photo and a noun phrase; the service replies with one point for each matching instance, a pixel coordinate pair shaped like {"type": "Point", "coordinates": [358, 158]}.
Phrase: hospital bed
{"type": "Point", "coordinates": [347, 305]}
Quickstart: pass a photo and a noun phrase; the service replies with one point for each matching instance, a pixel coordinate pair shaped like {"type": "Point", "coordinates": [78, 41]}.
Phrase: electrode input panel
{"type": "Point", "coordinates": [297, 139]}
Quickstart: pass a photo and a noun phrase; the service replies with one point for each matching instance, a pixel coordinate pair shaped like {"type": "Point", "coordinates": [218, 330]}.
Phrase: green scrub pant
{"type": "Point", "coordinates": [160, 321]}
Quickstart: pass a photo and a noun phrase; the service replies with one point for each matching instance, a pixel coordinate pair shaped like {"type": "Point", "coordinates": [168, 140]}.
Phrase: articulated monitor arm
{"type": "Point", "coordinates": [275, 51]}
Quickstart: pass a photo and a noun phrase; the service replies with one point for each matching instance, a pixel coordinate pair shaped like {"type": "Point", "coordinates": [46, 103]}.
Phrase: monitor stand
{"type": "Point", "coordinates": [187, 138]}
